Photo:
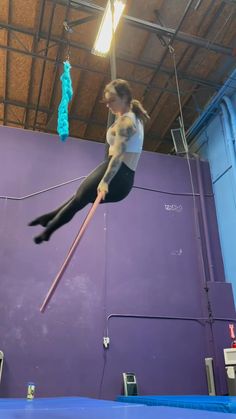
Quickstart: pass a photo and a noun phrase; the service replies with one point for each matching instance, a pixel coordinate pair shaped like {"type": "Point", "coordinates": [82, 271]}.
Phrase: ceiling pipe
{"type": "Point", "coordinates": [232, 114]}
{"type": "Point", "coordinates": [227, 89]}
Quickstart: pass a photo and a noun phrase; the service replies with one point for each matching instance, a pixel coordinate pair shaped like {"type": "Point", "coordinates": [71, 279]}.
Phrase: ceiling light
{"type": "Point", "coordinates": [105, 33]}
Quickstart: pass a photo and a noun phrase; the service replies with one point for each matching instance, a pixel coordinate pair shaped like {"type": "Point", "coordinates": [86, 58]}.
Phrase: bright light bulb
{"type": "Point", "coordinates": [104, 37]}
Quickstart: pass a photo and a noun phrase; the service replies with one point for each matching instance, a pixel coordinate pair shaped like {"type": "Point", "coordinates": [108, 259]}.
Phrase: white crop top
{"type": "Point", "coordinates": [135, 142]}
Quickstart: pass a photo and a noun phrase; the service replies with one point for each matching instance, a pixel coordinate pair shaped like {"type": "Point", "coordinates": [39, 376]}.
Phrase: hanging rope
{"type": "Point", "coordinates": [182, 127]}
{"type": "Point", "coordinates": [172, 53]}
{"type": "Point", "coordinates": [67, 93]}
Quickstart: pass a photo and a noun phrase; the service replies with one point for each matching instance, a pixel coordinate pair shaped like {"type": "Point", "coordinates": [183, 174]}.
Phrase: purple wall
{"type": "Point", "coordinates": [143, 257]}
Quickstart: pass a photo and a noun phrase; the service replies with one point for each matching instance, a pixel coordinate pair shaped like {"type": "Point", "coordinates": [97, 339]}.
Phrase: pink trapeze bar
{"type": "Point", "coordinates": [71, 252]}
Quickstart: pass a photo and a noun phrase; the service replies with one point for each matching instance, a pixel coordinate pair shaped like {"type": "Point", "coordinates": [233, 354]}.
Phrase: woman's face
{"type": "Point", "coordinates": [114, 103]}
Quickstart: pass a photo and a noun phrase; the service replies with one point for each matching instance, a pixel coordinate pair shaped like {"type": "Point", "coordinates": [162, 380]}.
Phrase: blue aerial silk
{"type": "Point", "coordinates": [67, 93]}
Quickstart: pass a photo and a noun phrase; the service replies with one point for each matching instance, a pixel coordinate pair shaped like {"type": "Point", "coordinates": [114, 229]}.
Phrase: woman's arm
{"type": "Point", "coordinates": [124, 130]}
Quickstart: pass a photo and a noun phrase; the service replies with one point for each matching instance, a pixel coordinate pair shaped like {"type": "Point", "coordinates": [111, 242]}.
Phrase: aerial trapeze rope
{"type": "Point", "coordinates": [63, 131]}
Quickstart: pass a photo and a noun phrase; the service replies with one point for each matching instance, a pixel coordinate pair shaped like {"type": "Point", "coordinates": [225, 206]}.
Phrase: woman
{"type": "Point", "coordinates": [114, 177]}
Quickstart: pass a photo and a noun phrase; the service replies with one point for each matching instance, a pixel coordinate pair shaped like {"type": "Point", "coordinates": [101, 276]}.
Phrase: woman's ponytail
{"type": "Point", "coordinates": [139, 110]}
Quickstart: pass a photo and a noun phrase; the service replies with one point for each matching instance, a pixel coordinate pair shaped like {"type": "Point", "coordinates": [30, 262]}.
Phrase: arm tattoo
{"type": "Point", "coordinates": [125, 127]}
{"type": "Point", "coordinates": [112, 169]}
{"type": "Point", "coordinates": [124, 130]}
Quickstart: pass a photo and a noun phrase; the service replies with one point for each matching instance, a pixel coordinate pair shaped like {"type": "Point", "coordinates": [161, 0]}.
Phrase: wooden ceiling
{"type": "Point", "coordinates": [34, 44]}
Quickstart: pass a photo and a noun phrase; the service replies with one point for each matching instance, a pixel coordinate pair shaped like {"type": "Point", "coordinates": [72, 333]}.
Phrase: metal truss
{"type": "Point", "coordinates": [152, 27]}
{"type": "Point", "coordinates": [120, 56]}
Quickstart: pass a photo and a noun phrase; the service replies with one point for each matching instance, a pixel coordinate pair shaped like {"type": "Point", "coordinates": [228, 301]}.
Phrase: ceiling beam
{"type": "Point", "coordinates": [230, 2]}
{"type": "Point", "coordinates": [182, 75]}
{"type": "Point", "coordinates": [34, 45]}
{"type": "Point", "coordinates": [153, 27]}
{"type": "Point", "coordinates": [47, 111]}
{"type": "Point", "coordinates": [44, 64]}
{"type": "Point", "coordinates": [172, 74]}
{"type": "Point", "coordinates": [120, 56]}
{"type": "Point", "coordinates": [168, 50]}
{"type": "Point", "coordinates": [185, 100]}
{"type": "Point", "coordinates": [7, 64]}
{"type": "Point", "coordinates": [57, 62]}
{"type": "Point", "coordinates": [87, 69]}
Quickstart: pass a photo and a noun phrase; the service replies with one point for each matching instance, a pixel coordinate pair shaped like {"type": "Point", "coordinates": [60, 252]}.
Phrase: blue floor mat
{"type": "Point", "coordinates": [51, 403]}
{"type": "Point", "coordinates": [225, 404]}
{"type": "Point", "coordinates": [85, 408]}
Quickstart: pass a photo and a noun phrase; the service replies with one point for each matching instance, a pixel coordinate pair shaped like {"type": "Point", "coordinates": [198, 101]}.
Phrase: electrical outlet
{"type": "Point", "coordinates": [106, 342]}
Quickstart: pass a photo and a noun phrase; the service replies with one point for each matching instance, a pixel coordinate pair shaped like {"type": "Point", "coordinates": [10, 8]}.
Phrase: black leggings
{"type": "Point", "coordinates": [119, 188]}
